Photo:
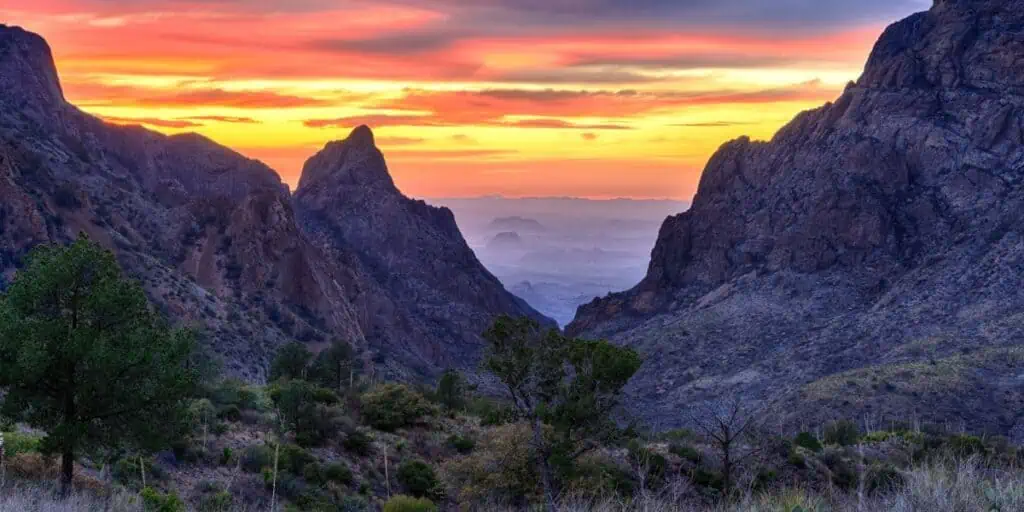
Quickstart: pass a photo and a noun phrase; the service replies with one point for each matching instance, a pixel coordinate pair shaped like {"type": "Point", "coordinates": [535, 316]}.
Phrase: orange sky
{"type": "Point", "coordinates": [513, 97]}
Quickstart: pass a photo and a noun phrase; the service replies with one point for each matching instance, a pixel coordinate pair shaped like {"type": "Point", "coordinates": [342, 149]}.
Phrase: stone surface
{"type": "Point", "coordinates": [868, 260]}
{"type": "Point", "coordinates": [214, 236]}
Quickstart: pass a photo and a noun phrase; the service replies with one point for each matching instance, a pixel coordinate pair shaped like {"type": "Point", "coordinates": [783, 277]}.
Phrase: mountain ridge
{"type": "Point", "coordinates": [868, 235]}
{"type": "Point", "coordinates": [214, 236]}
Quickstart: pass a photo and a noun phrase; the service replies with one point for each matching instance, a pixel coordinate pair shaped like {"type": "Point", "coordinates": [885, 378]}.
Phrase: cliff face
{"type": "Point", "coordinates": [873, 234]}
{"type": "Point", "coordinates": [425, 297]}
{"type": "Point", "coordinates": [213, 235]}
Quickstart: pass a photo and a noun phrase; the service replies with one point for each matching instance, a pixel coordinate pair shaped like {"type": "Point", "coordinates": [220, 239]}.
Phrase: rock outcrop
{"type": "Point", "coordinates": [424, 296]}
{"type": "Point", "coordinates": [213, 235]}
{"type": "Point", "coordinates": [869, 259]}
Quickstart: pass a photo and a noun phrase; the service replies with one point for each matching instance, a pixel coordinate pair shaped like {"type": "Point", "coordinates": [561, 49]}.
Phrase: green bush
{"type": "Point", "coordinates": [409, 504]}
{"type": "Point", "coordinates": [153, 501]}
{"type": "Point", "coordinates": [806, 440]}
{"type": "Point", "coordinates": [313, 473]}
{"type": "Point", "coordinates": [418, 478]}
{"type": "Point", "coordinates": [257, 457]}
{"type": "Point", "coordinates": [963, 445]}
{"type": "Point", "coordinates": [686, 452]}
{"type": "Point", "coordinates": [708, 479]}
{"type": "Point", "coordinates": [221, 501]}
{"type": "Point", "coordinates": [461, 444]}
{"type": "Point", "coordinates": [294, 459]}
{"type": "Point", "coordinates": [842, 433]}
{"type": "Point", "coordinates": [338, 473]}
{"type": "Point", "coordinates": [16, 442]}
{"type": "Point", "coordinates": [391, 406]}
{"type": "Point", "coordinates": [230, 413]}
{"type": "Point", "coordinates": [358, 442]}
{"type": "Point", "coordinates": [225, 456]}
{"type": "Point", "coordinates": [306, 410]}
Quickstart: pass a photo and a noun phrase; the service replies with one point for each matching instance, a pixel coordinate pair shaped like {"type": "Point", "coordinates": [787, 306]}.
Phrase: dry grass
{"type": "Point", "coordinates": [41, 498]}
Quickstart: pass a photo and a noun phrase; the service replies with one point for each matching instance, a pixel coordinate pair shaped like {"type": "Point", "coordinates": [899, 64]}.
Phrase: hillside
{"type": "Point", "coordinates": [865, 262]}
{"type": "Point", "coordinates": [217, 240]}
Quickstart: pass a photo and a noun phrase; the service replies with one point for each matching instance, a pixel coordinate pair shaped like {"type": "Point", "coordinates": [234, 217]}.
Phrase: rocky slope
{"type": "Point", "coordinates": [425, 298]}
{"type": "Point", "coordinates": [866, 262]}
{"type": "Point", "coordinates": [213, 235]}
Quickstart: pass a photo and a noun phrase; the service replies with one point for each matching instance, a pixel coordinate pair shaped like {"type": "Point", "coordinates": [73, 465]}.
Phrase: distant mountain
{"type": "Point", "coordinates": [506, 240]}
{"type": "Point", "coordinates": [516, 224]}
{"type": "Point", "coordinates": [868, 261]}
{"type": "Point", "coordinates": [218, 241]}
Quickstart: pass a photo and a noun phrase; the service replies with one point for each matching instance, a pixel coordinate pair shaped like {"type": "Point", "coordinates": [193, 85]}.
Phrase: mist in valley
{"type": "Point", "coordinates": [559, 253]}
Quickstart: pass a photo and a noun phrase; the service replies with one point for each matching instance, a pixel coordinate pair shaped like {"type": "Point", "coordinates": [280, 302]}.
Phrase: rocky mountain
{"type": "Point", "coordinates": [425, 298]}
{"type": "Point", "coordinates": [868, 261]}
{"type": "Point", "coordinates": [215, 237]}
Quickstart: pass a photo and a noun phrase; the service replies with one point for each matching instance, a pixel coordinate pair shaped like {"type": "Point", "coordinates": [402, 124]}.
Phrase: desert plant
{"type": "Point", "coordinates": [842, 433]}
{"type": "Point", "coordinates": [392, 406]}
{"type": "Point", "coordinates": [409, 504]}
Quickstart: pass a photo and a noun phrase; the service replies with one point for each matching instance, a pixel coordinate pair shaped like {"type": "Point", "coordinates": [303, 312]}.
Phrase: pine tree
{"type": "Point", "coordinates": [86, 360]}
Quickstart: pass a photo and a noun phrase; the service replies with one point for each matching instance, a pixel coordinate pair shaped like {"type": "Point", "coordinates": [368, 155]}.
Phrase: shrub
{"type": "Point", "coordinates": [963, 445]}
{"type": "Point", "coordinates": [230, 413]}
{"type": "Point", "coordinates": [418, 478]}
{"type": "Point", "coordinates": [806, 440]}
{"type": "Point", "coordinates": [221, 501]}
{"type": "Point", "coordinates": [842, 433]}
{"type": "Point", "coordinates": [291, 360]}
{"type": "Point", "coordinates": [338, 473]}
{"type": "Point", "coordinates": [312, 473]}
{"type": "Point", "coordinates": [304, 408]}
{"type": "Point", "coordinates": [358, 442]}
{"type": "Point", "coordinates": [353, 504]}
{"type": "Point", "coordinates": [599, 477]}
{"type": "Point", "coordinates": [686, 452]}
{"type": "Point", "coordinates": [257, 457]}
{"type": "Point", "coordinates": [153, 501]}
{"type": "Point", "coordinates": [294, 459]}
{"type": "Point", "coordinates": [16, 442]}
{"type": "Point", "coordinates": [451, 391]}
{"type": "Point", "coordinates": [391, 406]}
{"type": "Point", "coordinates": [225, 456]}
{"type": "Point", "coordinates": [501, 468]}
{"type": "Point", "coordinates": [409, 504]}
{"type": "Point", "coordinates": [461, 444]}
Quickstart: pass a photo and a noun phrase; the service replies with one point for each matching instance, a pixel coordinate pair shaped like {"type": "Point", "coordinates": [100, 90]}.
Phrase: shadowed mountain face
{"type": "Point", "coordinates": [214, 236]}
{"type": "Point", "coordinates": [425, 298]}
{"type": "Point", "coordinates": [868, 261]}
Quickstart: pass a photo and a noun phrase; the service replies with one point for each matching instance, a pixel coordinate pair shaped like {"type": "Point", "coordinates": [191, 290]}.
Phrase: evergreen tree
{"type": "Point", "coordinates": [290, 362]}
{"type": "Point", "coordinates": [451, 391]}
{"type": "Point", "coordinates": [566, 388]}
{"type": "Point", "coordinates": [85, 359]}
{"type": "Point", "coordinates": [336, 368]}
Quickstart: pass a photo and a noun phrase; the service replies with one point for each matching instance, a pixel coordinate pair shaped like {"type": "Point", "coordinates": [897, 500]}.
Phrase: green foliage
{"type": "Point", "coordinates": [16, 442]}
{"type": "Point", "coordinates": [232, 392]}
{"type": "Point", "coordinates": [708, 479]}
{"type": "Point", "coordinates": [86, 360]}
{"type": "Point", "coordinates": [418, 478]}
{"type": "Point", "coordinates": [461, 444]}
{"type": "Point", "coordinates": [685, 452]}
{"type": "Point", "coordinates": [842, 433]}
{"type": "Point", "coordinates": [569, 384]}
{"type": "Point", "coordinates": [230, 413]}
{"type": "Point", "coordinates": [305, 409]}
{"type": "Point", "coordinates": [226, 456]}
{"type": "Point", "coordinates": [963, 445]}
{"type": "Point", "coordinates": [338, 473]}
{"type": "Point", "coordinates": [392, 406]}
{"type": "Point", "coordinates": [451, 391]}
{"type": "Point", "coordinates": [290, 362]}
{"type": "Point", "coordinates": [358, 442]}
{"type": "Point", "coordinates": [221, 501]}
{"type": "Point", "coordinates": [154, 501]}
{"type": "Point", "coordinates": [294, 459]}
{"type": "Point", "coordinates": [336, 368]}
{"type": "Point", "coordinates": [409, 504]}
{"type": "Point", "coordinates": [807, 440]}
{"type": "Point", "coordinates": [491, 412]}
{"type": "Point", "coordinates": [257, 457]}
{"type": "Point", "coordinates": [601, 478]}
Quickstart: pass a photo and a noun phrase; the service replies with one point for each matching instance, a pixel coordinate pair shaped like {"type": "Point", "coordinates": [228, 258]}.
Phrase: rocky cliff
{"type": "Point", "coordinates": [214, 238]}
{"type": "Point", "coordinates": [868, 261]}
{"type": "Point", "coordinates": [425, 298]}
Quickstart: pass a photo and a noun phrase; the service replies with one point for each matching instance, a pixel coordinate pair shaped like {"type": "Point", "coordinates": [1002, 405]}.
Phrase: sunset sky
{"type": "Point", "coordinates": [592, 98]}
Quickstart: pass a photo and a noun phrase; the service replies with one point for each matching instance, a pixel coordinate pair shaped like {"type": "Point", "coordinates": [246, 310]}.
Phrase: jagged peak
{"type": "Point", "coordinates": [28, 75]}
{"type": "Point", "coordinates": [354, 160]}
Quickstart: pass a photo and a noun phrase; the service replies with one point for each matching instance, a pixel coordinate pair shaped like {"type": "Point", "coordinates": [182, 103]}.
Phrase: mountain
{"type": "Point", "coordinates": [516, 223]}
{"type": "Point", "coordinates": [868, 261]}
{"type": "Point", "coordinates": [426, 298]}
{"type": "Point", "coordinates": [215, 237]}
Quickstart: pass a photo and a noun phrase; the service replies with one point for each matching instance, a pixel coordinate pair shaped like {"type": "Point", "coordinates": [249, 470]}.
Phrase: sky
{"type": "Point", "coordinates": [584, 98]}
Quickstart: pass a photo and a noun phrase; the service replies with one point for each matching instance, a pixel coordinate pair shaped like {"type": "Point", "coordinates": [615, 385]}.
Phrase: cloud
{"type": "Point", "coordinates": [152, 121]}
{"type": "Point", "coordinates": [711, 124]}
{"type": "Point", "coordinates": [224, 119]}
{"type": "Point", "coordinates": [223, 98]}
{"type": "Point", "coordinates": [398, 141]}
{"type": "Point", "coordinates": [588, 136]}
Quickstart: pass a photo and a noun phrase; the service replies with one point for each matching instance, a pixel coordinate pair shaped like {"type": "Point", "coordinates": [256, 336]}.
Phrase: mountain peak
{"type": "Point", "coordinates": [353, 161]}
{"type": "Point", "coordinates": [28, 75]}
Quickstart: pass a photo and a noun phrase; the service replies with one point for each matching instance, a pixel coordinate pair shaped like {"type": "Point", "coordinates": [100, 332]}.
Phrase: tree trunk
{"type": "Point", "coordinates": [726, 469]}
{"type": "Point", "coordinates": [67, 471]}
{"type": "Point", "coordinates": [545, 468]}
